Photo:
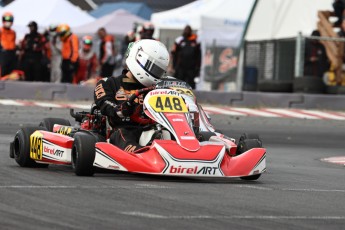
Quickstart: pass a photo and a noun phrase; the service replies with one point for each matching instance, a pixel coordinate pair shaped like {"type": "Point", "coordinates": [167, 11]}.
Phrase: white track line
{"type": "Point", "coordinates": [335, 160]}
{"type": "Point", "coordinates": [45, 104]}
{"type": "Point", "coordinates": [136, 186]}
{"type": "Point", "coordinates": [255, 112]}
{"type": "Point", "coordinates": [324, 115]}
{"type": "Point", "coordinates": [10, 102]}
{"type": "Point", "coordinates": [231, 111]}
{"type": "Point", "coordinates": [156, 216]}
{"type": "Point", "coordinates": [222, 111]}
{"type": "Point", "coordinates": [290, 113]}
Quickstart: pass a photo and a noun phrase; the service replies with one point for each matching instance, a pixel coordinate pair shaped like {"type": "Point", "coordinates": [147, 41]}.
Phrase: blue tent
{"type": "Point", "coordinates": [139, 9]}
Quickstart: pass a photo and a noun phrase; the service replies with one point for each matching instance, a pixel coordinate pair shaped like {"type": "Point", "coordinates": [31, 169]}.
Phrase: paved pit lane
{"type": "Point", "coordinates": [299, 191]}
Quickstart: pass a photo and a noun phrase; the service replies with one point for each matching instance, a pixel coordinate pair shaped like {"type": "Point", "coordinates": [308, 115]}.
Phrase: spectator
{"type": "Point", "coordinates": [32, 51]}
{"type": "Point", "coordinates": [147, 31]}
{"type": "Point", "coordinates": [106, 53]}
{"type": "Point", "coordinates": [55, 46]}
{"type": "Point", "coordinates": [315, 60]}
{"type": "Point", "coordinates": [8, 45]}
{"type": "Point", "coordinates": [130, 37]}
{"type": "Point", "coordinates": [338, 6]}
{"type": "Point", "coordinates": [186, 54]}
{"type": "Point", "coordinates": [46, 61]}
{"type": "Point", "coordinates": [69, 52]}
{"type": "Point", "coordinates": [87, 62]}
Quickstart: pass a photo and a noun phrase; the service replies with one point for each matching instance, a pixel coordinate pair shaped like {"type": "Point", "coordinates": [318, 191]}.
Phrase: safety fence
{"type": "Point", "coordinates": [308, 64]}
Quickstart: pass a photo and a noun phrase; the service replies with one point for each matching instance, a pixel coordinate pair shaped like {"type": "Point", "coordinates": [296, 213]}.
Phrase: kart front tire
{"type": "Point", "coordinates": [21, 147]}
{"type": "Point", "coordinates": [245, 145]}
{"type": "Point", "coordinates": [83, 154]}
{"type": "Point", "coordinates": [50, 122]}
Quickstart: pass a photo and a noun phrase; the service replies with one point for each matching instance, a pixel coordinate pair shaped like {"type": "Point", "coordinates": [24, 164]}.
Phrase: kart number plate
{"type": "Point", "coordinates": [168, 104]}
{"type": "Point", "coordinates": [36, 145]}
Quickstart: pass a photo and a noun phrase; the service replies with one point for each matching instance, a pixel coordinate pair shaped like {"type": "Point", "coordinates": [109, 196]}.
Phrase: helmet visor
{"type": "Point", "coordinates": [150, 65]}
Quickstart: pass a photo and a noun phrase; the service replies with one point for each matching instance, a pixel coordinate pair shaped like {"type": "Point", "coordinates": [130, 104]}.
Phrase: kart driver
{"type": "Point", "coordinates": [147, 60]}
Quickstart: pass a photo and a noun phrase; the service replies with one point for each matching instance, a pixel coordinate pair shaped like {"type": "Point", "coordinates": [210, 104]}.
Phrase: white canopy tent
{"type": "Point", "coordinates": [118, 22]}
{"type": "Point", "coordinates": [274, 19]}
{"type": "Point", "coordinates": [191, 14]}
{"type": "Point", "coordinates": [220, 25]}
{"type": "Point", "coordinates": [45, 13]}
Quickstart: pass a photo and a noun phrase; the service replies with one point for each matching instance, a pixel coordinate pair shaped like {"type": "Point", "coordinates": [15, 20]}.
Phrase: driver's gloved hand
{"type": "Point", "coordinates": [126, 109]}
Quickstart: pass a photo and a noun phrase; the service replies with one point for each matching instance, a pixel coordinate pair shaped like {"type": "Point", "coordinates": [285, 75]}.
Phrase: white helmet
{"type": "Point", "coordinates": [147, 60]}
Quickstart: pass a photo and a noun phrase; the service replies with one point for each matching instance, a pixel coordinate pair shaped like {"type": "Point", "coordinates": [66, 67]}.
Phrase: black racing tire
{"type": "Point", "coordinates": [244, 146]}
{"type": "Point", "coordinates": [275, 86]}
{"type": "Point", "coordinates": [83, 154]}
{"type": "Point", "coordinates": [50, 122]}
{"type": "Point", "coordinates": [205, 136]}
{"type": "Point", "coordinates": [309, 84]}
{"type": "Point", "coordinates": [21, 147]}
{"type": "Point", "coordinates": [246, 136]}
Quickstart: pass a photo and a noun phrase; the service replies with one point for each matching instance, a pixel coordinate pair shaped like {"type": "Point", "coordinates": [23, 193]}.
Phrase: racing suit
{"type": "Point", "coordinates": [110, 95]}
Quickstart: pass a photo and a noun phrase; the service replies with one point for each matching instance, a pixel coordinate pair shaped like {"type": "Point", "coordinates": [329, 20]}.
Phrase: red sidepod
{"type": "Point", "coordinates": [149, 161]}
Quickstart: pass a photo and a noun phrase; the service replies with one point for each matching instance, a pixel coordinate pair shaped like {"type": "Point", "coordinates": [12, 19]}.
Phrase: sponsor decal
{"type": "Point", "coordinates": [99, 91]}
{"type": "Point", "coordinates": [53, 151]}
{"type": "Point", "coordinates": [152, 93]}
{"type": "Point", "coordinates": [193, 170]}
{"type": "Point", "coordinates": [36, 145]}
{"type": "Point", "coordinates": [64, 130]}
{"type": "Point", "coordinates": [113, 167]}
{"type": "Point", "coordinates": [179, 84]}
{"type": "Point", "coordinates": [177, 120]}
{"type": "Point", "coordinates": [187, 137]}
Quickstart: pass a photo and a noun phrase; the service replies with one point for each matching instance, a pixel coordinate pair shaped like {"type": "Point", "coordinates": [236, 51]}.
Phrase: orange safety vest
{"type": "Point", "coordinates": [8, 39]}
{"type": "Point", "coordinates": [70, 48]}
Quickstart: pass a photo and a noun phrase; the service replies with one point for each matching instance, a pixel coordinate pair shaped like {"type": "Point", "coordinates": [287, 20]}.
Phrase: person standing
{"type": "Point", "coordinates": [87, 62]}
{"type": "Point", "coordinates": [315, 58]}
{"type": "Point", "coordinates": [55, 47]}
{"type": "Point", "coordinates": [186, 54]}
{"type": "Point", "coordinates": [8, 45]}
{"type": "Point", "coordinates": [69, 52]}
{"type": "Point", "coordinates": [106, 53]}
{"type": "Point", "coordinates": [147, 31]}
{"type": "Point", "coordinates": [32, 53]}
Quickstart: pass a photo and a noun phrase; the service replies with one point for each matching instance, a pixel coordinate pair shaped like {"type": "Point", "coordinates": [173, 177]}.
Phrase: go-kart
{"type": "Point", "coordinates": [188, 145]}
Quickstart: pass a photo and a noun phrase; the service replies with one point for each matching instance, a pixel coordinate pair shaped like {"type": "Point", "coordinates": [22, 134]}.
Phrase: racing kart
{"type": "Point", "coordinates": [187, 144]}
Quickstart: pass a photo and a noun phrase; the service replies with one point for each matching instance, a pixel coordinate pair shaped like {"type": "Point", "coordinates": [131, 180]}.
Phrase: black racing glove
{"type": "Point", "coordinates": [126, 109]}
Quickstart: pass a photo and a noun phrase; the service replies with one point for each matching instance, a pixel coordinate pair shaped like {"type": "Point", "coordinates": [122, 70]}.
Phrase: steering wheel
{"type": "Point", "coordinates": [139, 92]}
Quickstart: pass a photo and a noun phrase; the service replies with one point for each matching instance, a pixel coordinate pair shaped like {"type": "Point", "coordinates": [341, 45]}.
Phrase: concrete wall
{"type": "Point", "coordinates": [67, 92]}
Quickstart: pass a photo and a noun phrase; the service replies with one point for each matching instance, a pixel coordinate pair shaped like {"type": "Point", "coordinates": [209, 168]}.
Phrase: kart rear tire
{"type": "Point", "coordinates": [83, 154]}
{"type": "Point", "coordinates": [21, 147]}
{"type": "Point", "coordinates": [50, 122]}
{"type": "Point", "coordinates": [246, 145]}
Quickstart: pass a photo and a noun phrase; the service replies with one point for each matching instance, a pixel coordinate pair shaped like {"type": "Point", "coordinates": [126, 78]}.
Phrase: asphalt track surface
{"type": "Point", "coordinates": [298, 191]}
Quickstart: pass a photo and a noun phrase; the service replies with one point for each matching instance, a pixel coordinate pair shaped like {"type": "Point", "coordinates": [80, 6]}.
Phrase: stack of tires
{"type": "Point", "coordinates": [309, 84]}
